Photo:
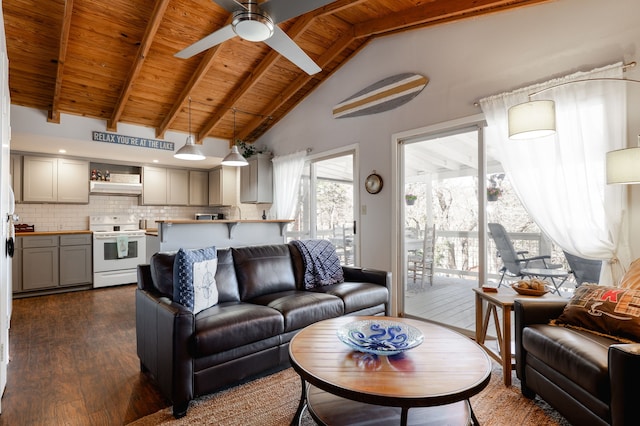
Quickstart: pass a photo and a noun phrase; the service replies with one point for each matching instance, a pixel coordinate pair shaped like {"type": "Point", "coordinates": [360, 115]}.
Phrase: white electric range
{"type": "Point", "coordinates": [118, 248]}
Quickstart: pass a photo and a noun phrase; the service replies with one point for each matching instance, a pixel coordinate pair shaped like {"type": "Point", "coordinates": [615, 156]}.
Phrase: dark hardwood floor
{"type": "Point", "coordinates": [73, 361]}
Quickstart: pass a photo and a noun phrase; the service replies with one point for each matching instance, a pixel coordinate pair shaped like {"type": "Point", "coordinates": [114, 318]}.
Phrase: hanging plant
{"type": "Point", "coordinates": [494, 193]}
{"type": "Point", "coordinates": [410, 199]}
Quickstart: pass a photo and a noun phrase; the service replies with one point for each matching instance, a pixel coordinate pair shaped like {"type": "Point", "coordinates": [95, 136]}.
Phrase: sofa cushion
{"type": "Point", "coordinates": [301, 308]}
{"type": "Point", "coordinates": [612, 311]}
{"type": "Point", "coordinates": [263, 270]}
{"type": "Point", "coordinates": [578, 355]}
{"type": "Point", "coordinates": [194, 283]}
{"type": "Point", "coordinates": [234, 324]}
{"type": "Point", "coordinates": [356, 296]}
{"type": "Point", "coordinates": [161, 265]}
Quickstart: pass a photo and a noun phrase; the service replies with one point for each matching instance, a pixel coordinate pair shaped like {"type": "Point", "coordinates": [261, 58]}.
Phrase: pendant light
{"type": "Point", "coordinates": [189, 151]}
{"type": "Point", "coordinates": [234, 158]}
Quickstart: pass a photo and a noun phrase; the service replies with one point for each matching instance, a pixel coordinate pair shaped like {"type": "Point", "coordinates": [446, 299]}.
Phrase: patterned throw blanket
{"type": "Point", "coordinates": [322, 266]}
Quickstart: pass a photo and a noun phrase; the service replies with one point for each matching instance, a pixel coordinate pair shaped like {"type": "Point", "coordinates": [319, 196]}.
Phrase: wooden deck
{"type": "Point", "coordinates": [451, 301]}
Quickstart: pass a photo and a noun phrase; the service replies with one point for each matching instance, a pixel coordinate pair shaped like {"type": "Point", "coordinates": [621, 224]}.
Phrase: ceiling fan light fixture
{"type": "Point", "coordinates": [252, 26]}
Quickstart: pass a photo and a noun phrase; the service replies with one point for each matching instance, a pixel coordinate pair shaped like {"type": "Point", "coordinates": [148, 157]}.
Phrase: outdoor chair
{"type": "Point", "coordinates": [515, 261]}
{"type": "Point", "coordinates": [584, 270]}
{"type": "Point", "coordinates": [420, 263]}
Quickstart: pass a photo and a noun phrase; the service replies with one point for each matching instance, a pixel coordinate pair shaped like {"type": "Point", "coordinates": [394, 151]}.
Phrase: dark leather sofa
{"type": "Point", "coordinates": [262, 304]}
{"type": "Point", "coordinates": [588, 378]}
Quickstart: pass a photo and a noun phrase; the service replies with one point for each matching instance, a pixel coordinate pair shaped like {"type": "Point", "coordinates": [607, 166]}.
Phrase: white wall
{"type": "Point", "coordinates": [465, 61]}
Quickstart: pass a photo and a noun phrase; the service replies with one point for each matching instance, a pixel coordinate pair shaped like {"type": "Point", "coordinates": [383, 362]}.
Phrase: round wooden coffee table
{"type": "Point", "coordinates": [344, 387]}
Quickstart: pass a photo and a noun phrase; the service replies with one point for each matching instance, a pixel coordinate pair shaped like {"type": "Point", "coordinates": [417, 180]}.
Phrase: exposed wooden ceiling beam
{"type": "Point", "coordinates": [147, 40]}
{"type": "Point", "coordinates": [298, 28]}
{"type": "Point", "coordinates": [200, 73]}
{"type": "Point", "coordinates": [338, 47]}
{"type": "Point", "coordinates": [437, 11]}
{"type": "Point", "coordinates": [54, 113]}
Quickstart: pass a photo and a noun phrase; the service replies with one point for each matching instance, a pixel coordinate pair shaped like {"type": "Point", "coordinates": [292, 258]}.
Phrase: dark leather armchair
{"type": "Point", "coordinates": [588, 378]}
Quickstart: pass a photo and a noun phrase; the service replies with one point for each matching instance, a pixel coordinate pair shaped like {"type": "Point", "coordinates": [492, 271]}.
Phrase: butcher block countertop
{"type": "Point", "coordinates": [41, 233]}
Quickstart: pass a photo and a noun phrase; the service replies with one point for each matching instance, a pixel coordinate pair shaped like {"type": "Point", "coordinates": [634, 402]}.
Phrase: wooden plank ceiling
{"type": "Point", "coordinates": [114, 60]}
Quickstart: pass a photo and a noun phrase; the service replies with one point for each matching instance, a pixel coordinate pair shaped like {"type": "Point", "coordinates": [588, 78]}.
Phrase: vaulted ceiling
{"type": "Point", "coordinates": [114, 60]}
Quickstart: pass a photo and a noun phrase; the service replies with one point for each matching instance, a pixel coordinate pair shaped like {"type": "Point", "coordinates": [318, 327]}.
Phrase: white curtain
{"type": "Point", "coordinates": [561, 179]}
{"type": "Point", "coordinates": [287, 171]}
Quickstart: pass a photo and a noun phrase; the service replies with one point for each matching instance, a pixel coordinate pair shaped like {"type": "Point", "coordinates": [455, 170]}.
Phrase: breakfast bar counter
{"type": "Point", "coordinates": [188, 233]}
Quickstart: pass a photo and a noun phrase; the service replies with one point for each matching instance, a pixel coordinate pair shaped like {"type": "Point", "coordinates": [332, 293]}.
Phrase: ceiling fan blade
{"type": "Point", "coordinates": [281, 43]}
{"type": "Point", "coordinates": [230, 5]}
{"type": "Point", "coordinates": [213, 39]}
{"type": "Point", "coordinates": [283, 10]}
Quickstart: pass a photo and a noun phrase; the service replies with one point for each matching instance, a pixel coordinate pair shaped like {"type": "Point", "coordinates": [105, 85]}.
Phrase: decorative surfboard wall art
{"type": "Point", "coordinates": [384, 95]}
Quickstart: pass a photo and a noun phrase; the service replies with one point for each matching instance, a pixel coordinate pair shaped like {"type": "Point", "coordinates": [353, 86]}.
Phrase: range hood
{"type": "Point", "coordinates": [114, 188]}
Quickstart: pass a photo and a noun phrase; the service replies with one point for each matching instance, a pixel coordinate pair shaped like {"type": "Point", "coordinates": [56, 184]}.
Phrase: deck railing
{"type": "Point", "coordinates": [457, 252]}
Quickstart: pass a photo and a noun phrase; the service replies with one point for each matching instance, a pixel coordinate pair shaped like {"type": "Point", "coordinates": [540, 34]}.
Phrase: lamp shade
{"type": "Point", "coordinates": [189, 151]}
{"type": "Point", "coordinates": [623, 166]}
{"type": "Point", "coordinates": [234, 158]}
{"type": "Point", "coordinates": [533, 119]}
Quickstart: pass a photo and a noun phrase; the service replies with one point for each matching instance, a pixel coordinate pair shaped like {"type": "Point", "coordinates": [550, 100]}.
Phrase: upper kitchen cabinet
{"type": "Point", "coordinates": [55, 180]}
{"type": "Point", "coordinates": [256, 180]}
{"type": "Point", "coordinates": [154, 185]}
{"type": "Point", "coordinates": [162, 186]}
{"type": "Point", "coordinates": [177, 187]}
{"type": "Point", "coordinates": [198, 188]}
{"type": "Point", "coordinates": [223, 186]}
{"type": "Point", "coordinates": [15, 169]}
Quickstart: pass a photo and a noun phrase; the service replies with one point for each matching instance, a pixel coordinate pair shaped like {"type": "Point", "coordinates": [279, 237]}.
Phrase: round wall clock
{"type": "Point", "coordinates": [373, 183]}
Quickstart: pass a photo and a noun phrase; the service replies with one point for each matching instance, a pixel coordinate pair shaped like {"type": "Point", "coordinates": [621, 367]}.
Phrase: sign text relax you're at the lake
{"type": "Point", "coordinates": [132, 141]}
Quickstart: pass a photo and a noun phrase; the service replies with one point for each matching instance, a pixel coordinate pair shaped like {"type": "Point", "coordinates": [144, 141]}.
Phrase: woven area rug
{"type": "Point", "coordinates": [273, 400]}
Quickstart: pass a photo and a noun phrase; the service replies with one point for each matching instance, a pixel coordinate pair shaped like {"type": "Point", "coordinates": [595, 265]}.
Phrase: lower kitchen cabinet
{"type": "Point", "coordinates": [39, 262]}
{"type": "Point", "coordinates": [75, 259]}
{"type": "Point", "coordinates": [50, 263]}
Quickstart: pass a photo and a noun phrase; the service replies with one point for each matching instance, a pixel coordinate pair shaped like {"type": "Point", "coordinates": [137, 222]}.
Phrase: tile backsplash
{"type": "Point", "coordinates": [66, 217]}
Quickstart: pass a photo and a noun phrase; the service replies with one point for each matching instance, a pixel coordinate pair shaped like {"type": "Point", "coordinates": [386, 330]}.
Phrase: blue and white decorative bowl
{"type": "Point", "coordinates": [380, 337]}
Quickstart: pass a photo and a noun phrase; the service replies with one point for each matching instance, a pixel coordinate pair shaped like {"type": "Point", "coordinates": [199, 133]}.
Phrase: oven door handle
{"type": "Point", "coordinates": [111, 237]}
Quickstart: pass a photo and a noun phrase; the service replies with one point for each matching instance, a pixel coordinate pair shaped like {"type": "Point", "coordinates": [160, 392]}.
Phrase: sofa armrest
{"type": "Point", "coordinates": [528, 312]}
{"type": "Point", "coordinates": [164, 330]}
{"type": "Point", "coordinates": [375, 276]}
{"type": "Point", "coordinates": [624, 375]}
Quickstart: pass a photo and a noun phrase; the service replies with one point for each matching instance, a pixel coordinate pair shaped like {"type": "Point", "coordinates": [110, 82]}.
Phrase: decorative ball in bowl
{"type": "Point", "coordinates": [380, 337]}
{"type": "Point", "coordinates": [533, 287]}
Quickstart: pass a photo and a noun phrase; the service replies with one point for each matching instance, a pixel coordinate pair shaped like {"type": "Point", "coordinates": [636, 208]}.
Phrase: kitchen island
{"type": "Point", "coordinates": [186, 233]}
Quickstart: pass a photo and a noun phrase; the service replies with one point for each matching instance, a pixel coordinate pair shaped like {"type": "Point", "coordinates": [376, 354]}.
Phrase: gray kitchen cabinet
{"type": "Point", "coordinates": [223, 186]}
{"type": "Point", "coordinates": [15, 169]}
{"type": "Point", "coordinates": [198, 188]}
{"type": "Point", "coordinates": [16, 266]}
{"type": "Point", "coordinates": [40, 262]}
{"type": "Point", "coordinates": [161, 186]}
{"type": "Point", "coordinates": [55, 180]}
{"type": "Point", "coordinates": [51, 263]}
{"type": "Point", "coordinates": [75, 259]}
{"type": "Point", "coordinates": [73, 177]}
{"type": "Point", "coordinates": [256, 180]}
{"type": "Point", "coordinates": [40, 179]}
{"type": "Point", "coordinates": [177, 187]}
{"type": "Point", "coordinates": [154, 185]}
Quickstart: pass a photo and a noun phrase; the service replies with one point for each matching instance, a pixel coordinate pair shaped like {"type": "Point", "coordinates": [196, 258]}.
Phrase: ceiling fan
{"type": "Point", "coordinates": [258, 22]}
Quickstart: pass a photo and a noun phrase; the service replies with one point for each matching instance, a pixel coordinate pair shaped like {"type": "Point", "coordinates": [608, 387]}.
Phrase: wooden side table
{"type": "Point", "coordinates": [504, 300]}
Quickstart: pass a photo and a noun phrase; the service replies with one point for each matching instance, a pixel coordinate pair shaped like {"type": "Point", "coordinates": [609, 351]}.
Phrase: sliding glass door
{"type": "Point", "coordinates": [439, 217]}
{"type": "Point", "coordinates": [326, 208]}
